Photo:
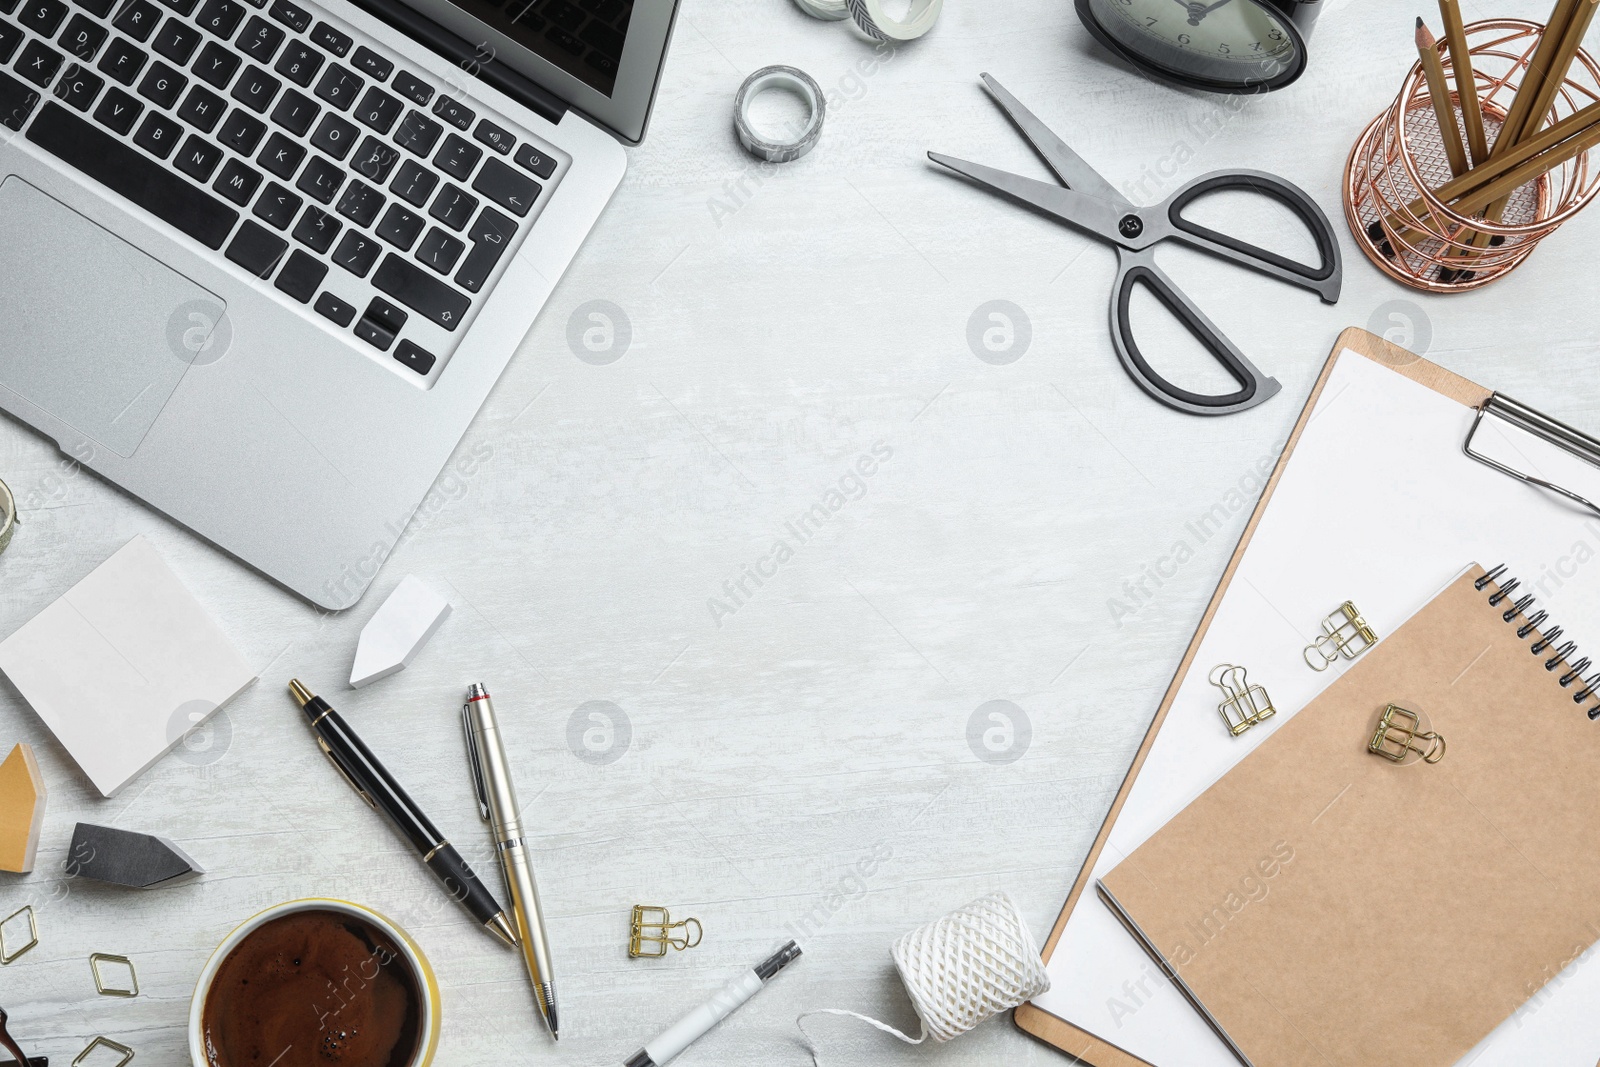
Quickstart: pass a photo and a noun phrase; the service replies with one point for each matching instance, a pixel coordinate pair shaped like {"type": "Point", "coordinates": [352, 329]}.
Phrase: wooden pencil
{"type": "Point", "coordinates": [1533, 77]}
{"type": "Point", "coordinates": [1502, 188]}
{"type": "Point", "coordinates": [1560, 63]}
{"type": "Point", "coordinates": [1455, 35]}
{"type": "Point", "coordinates": [1439, 92]}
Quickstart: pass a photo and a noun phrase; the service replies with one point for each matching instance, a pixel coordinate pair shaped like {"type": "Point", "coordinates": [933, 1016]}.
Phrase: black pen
{"type": "Point", "coordinates": [378, 788]}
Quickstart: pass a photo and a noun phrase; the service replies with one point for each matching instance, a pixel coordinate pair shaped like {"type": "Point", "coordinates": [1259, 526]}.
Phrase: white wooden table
{"type": "Point", "coordinates": [1016, 541]}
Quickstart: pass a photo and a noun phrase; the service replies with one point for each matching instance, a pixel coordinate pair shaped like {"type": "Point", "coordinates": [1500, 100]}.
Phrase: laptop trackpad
{"type": "Point", "coordinates": [95, 331]}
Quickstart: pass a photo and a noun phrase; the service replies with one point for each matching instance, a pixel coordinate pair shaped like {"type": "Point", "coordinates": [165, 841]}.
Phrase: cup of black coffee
{"type": "Point", "coordinates": [315, 983]}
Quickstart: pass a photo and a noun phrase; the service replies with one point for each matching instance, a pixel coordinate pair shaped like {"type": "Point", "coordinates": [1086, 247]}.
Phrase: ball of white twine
{"type": "Point", "coordinates": [959, 970]}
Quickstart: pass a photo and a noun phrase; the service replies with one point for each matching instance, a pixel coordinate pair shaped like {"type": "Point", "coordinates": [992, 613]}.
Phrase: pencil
{"type": "Point", "coordinates": [1439, 92]}
{"type": "Point", "coordinates": [1502, 188]}
{"type": "Point", "coordinates": [1455, 35]}
{"type": "Point", "coordinates": [1533, 77]}
{"type": "Point", "coordinates": [1560, 63]}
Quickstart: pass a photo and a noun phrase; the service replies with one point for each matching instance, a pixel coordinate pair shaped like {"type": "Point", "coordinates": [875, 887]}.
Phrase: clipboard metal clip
{"type": "Point", "coordinates": [1244, 704]}
{"type": "Point", "coordinates": [1540, 425]}
{"type": "Point", "coordinates": [1344, 633]}
{"type": "Point", "coordinates": [1397, 735]}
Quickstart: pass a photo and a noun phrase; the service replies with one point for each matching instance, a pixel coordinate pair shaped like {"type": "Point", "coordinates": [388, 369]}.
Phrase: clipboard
{"type": "Point", "coordinates": [1100, 1051]}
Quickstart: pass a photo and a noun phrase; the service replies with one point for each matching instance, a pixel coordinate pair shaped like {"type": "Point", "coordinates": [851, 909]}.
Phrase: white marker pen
{"type": "Point", "coordinates": [692, 1027]}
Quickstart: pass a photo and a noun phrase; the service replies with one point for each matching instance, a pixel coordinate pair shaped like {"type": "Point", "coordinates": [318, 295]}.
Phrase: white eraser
{"type": "Point", "coordinates": [397, 631]}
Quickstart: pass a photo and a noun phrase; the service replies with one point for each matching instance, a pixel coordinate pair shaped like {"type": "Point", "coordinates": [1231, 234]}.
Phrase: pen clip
{"type": "Point", "coordinates": [475, 761]}
{"type": "Point", "coordinates": [345, 773]}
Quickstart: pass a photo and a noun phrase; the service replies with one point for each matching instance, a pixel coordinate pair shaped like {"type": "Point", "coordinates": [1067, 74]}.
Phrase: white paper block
{"type": "Point", "coordinates": [397, 632]}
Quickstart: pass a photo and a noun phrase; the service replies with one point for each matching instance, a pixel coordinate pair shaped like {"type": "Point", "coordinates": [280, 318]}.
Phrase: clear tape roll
{"type": "Point", "coordinates": [773, 78]}
{"type": "Point", "coordinates": [831, 10]}
{"type": "Point", "coordinates": [869, 15]}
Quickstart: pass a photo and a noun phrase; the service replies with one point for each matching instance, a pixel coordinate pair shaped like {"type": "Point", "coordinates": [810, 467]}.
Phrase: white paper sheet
{"type": "Point", "coordinates": [123, 666]}
{"type": "Point", "coordinates": [1378, 505]}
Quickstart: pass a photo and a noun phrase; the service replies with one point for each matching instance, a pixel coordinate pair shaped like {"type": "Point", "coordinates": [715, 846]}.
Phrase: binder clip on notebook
{"type": "Point", "coordinates": [1244, 704]}
{"type": "Point", "coordinates": [1401, 737]}
{"type": "Point", "coordinates": [1344, 633]}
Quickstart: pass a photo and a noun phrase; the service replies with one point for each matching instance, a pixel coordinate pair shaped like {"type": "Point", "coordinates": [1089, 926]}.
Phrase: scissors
{"type": "Point", "coordinates": [1087, 202]}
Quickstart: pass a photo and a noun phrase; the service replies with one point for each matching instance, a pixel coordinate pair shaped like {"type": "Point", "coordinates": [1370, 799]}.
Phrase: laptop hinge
{"type": "Point", "coordinates": [464, 55]}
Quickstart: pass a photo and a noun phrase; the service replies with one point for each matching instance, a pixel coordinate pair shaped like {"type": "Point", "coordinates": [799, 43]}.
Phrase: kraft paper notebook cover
{"type": "Point", "coordinates": [1372, 500]}
{"type": "Point", "coordinates": [1326, 906]}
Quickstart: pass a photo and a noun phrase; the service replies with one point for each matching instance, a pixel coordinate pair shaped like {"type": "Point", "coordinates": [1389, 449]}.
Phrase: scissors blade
{"type": "Point", "coordinates": [1068, 165]}
{"type": "Point", "coordinates": [1080, 210]}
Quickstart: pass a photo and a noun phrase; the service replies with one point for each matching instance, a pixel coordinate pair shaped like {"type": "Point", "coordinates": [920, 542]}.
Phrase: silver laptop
{"type": "Point", "coordinates": [261, 261]}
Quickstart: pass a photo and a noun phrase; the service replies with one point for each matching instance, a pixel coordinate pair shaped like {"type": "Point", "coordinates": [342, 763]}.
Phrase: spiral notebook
{"type": "Point", "coordinates": [1374, 501]}
{"type": "Point", "coordinates": [1322, 905]}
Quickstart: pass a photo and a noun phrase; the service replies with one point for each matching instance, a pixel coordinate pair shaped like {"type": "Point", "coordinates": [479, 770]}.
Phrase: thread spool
{"type": "Point", "coordinates": [959, 970]}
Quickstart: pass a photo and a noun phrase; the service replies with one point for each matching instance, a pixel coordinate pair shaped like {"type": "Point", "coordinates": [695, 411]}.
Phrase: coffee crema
{"type": "Point", "coordinates": [313, 989]}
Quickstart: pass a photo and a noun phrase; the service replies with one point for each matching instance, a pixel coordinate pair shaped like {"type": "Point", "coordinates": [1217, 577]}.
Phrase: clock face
{"type": "Point", "coordinates": [1220, 44]}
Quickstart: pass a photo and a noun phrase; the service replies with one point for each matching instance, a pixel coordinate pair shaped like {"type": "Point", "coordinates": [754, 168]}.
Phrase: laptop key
{"type": "Point", "coordinates": [458, 157]}
{"type": "Point", "coordinates": [42, 16]}
{"type": "Point", "coordinates": [418, 134]}
{"type": "Point", "coordinates": [378, 110]}
{"type": "Point", "coordinates": [158, 135]}
{"type": "Point", "coordinates": [296, 18]}
{"type": "Point", "coordinates": [440, 251]}
{"type": "Point", "coordinates": [374, 160]}
{"type": "Point", "coordinates": [532, 159]}
{"type": "Point", "coordinates": [122, 62]}
{"type": "Point", "coordinates": [493, 136]}
{"type": "Point", "coordinates": [299, 63]}
{"type": "Point", "coordinates": [17, 102]}
{"type": "Point", "coordinates": [39, 63]}
{"type": "Point", "coordinates": [506, 187]}
{"type": "Point", "coordinates": [182, 7]}
{"type": "Point", "coordinates": [198, 158]}
{"type": "Point", "coordinates": [10, 38]}
{"type": "Point", "coordinates": [357, 253]}
{"type": "Point", "coordinates": [78, 87]}
{"type": "Point", "coordinates": [221, 17]}
{"type": "Point", "coordinates": [386, 314]}
{"type": "Point", "coordinates": [320, 180]}
{"type": "Point", "coordinates": [118, 111]}
{"type": "Point", "coordinates": [83, 38]}
{"type": "Point", "coordinates": [415, 357]}
{"type": "Point", "coordinates": [413, 88]}
{"type": "Point", "coordinates": [400, 227]}
{"type": "Point", "coordinates": [413, 184]}
{"type": "Point", "coordinates": [257, 250]}
{"type": "Point", "coordinates": [454, 112]}
{"type": "Point", "coordinates": [335, 136]}
{"type": "Point", "coordinates": [237, 182]}
{"type": "Point", "coordinates": [339, 87]}
{"type": "Point", "coordinates": [360, 204]}
{"type": "Point", "coordinates": [335, 41]}
{"type": "Point", "coordinates": [301, 276]}
{"type": "Point", "coordinates": [255, 89]}
{"type": "Point", "coordinates": [317, 229]}
{"type": "Point", "coordinates": [295, 112]}
{"type": "Point", "coordinates": [138, 19]}
{"type": "Point", "coordinates": [216, 65]}
{"type": "Point", "coordinates": [372, 64]}
{"type": "Point", "coordinates": [150, 185]}
{"type": "Point", "coordinates": [176, 41]}
{"type": "Point", "coordinates": [162, 85]}
{"type": "Point", "coordinates": [281, 156]}
{"type": "Point", "coordinates": [202, 109]}
{"type": "Point", "coordinates": [260, 39]}
{"type": "Point", "coordinates": [97, 8]}
{"type": "Point", "coordinates": [375, 334]}
{"type": "Point", "coordinates": [335, 310]}
{"type": "Point", "coordinates": [277, 205]}
{"type": "Point", "coordinates": [453, 207]}
{"type": "Point", "coordinates": [491, 235]}
{"type": "Point", "coordinates": [242, 132]}
{"type": "Point", "coordinates": [420, 291]}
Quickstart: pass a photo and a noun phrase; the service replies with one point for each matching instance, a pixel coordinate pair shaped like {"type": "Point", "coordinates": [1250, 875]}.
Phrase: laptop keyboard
{"type": "Point", "coordinates": [294, 150]}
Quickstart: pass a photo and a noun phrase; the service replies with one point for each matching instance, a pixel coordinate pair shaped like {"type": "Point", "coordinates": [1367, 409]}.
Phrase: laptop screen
{"type": "Point", "coordinates": [584, 38]}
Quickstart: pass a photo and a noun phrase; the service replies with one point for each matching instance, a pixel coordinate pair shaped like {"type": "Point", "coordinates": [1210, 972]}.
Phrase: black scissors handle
{"type": "Point", "coordinates": [1139, 268]}
{"type": "Point", "coordinates": [1324, 279]}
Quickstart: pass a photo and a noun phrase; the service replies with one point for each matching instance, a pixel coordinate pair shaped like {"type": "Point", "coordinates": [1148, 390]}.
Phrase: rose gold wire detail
{"type": "Point", "coordinates": [1399, 159]}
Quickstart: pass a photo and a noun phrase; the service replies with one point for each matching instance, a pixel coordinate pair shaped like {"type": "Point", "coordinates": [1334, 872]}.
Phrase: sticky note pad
{"type": "Point", "coordinates": [22, 797]}
{"type": "Point", "coordinates": [123, 666]}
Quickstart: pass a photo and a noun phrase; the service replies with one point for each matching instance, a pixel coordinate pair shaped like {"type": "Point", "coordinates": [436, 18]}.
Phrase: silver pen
{"type": "Point", "coordinates": [497, 803]}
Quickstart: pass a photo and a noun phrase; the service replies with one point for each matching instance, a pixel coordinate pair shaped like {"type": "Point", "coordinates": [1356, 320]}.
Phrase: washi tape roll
{"type": "Point", "coordinates": [775, 78]}
{"type": "Point", "coordinates": [919, 20]}
{"type": "Point", "coordinates": [832, 10]}
{"type": "Point", "coordinates": [8, 516]}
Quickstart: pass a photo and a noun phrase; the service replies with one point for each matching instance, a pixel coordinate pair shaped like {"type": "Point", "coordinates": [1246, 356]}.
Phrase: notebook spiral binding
{"type": "Point", "coordinates": [1560, 655]}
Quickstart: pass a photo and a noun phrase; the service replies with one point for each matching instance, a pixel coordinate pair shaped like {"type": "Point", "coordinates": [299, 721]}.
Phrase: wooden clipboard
{"type": "Point", "coordinates": [1051, 1028]}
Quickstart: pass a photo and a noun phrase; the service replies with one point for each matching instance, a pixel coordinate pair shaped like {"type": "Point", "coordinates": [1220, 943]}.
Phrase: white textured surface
{"type": "Point", "coordinates": [801, 769]}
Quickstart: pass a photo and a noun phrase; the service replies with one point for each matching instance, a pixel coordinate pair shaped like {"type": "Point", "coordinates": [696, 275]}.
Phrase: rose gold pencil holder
{"type": "Point", "coordinates": [1398, 160]}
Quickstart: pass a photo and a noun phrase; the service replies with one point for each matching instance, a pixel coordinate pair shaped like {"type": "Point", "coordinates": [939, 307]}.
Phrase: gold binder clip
{"type": "Point", "coordinates": [1344, 633]}
{"type": "Point", "coordinates": [1246, 704]}
{"type": "Point", "coordinates": [1397, 731]}
{"type": "Point", "coordinates": [652, 933]}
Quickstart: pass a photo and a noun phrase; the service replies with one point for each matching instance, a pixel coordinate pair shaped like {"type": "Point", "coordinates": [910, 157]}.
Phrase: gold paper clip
{"type": "Point", "coordinates": [105, 1043]}
{"type": "Point", "coordinates": [107, 989]}
{"type": "Point", "coordinates": [652, 933]}
{"type": "Point", "coordinates": [1246, 704]}
{"type": "Point", "coordinates": [1344, 633]}
{"type": "Point", "coordinates": [9, 954]}
{"type": "Point", "coordinates": [1397, 730]}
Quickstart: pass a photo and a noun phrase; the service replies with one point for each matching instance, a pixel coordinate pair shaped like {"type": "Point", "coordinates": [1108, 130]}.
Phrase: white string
{"type": "Point", "coordinates": [959, 970]}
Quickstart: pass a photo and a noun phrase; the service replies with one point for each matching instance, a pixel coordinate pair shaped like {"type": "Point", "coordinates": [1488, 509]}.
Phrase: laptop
{"type": "Point", "coordinates": [261, 261]}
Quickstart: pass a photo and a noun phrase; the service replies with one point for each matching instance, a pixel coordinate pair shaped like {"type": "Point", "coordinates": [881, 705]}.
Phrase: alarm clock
{"type": "Point", "coordinates": [1225, 46]}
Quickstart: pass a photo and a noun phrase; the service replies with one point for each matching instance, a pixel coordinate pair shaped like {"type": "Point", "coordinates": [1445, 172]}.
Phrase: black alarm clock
{"type": "Point", "coordinates": [1225, 46]}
